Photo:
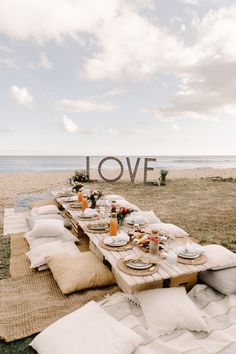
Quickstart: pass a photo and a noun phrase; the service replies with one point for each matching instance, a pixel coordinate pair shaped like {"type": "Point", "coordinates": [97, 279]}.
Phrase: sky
{"type": "Point", "coordinates": [118, 77]}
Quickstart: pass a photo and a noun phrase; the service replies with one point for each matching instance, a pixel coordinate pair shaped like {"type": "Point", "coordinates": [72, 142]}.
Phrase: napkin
{"type": "Point", "coordinates": [89, 212]}
{"type": "Point", "coordinates": [121, 236]}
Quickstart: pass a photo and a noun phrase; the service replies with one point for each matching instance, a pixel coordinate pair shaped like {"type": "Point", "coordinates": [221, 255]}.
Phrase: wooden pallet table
{"type": "Point", "coordinates": [167, 275]}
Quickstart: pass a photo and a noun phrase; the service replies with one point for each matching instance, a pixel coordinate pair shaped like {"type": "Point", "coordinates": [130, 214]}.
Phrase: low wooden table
{"type": "Point", "coordinates": [167, 275]}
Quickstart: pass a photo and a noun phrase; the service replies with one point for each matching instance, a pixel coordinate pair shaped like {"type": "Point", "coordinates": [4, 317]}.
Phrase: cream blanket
{"type": "Point", "coordinates": [218, 310]}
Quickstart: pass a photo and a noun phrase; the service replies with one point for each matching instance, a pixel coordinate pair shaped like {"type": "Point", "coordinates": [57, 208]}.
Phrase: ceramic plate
{"type": "Point", "coordinates": [138, 265]}
{"type": "Point", "coordinates": [84, 216]}
{"type": "Point", "coordinates": [76, 206]}
{"type": "Point", "coordinates": [69, 199]}
{"type": "Point", "coordinates": [114, 243]}
{"type": "Point", "coordinates": [97, 227]}
{"type": "Point", "coordinates": [189, 255]}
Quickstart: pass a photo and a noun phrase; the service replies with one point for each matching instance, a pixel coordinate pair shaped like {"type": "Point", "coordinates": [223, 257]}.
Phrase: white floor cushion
{"type": "Point", "coordinates": [48, 228]}
{"type": "Point", "coordinates": [38, 254]}
{"type": "Point", "coordinates": [220, 257]}
{"type": "Point", "coordinates": [223, 280]}
{"type": "Point", "coordinates": [44, 210]}
{"type": "Point", "coordinates": [168, 309]}
{"type": "Point", "coordinates": [168, 229]}
{"type": "Point", "coordinates": [89, 330]}
{"type": "Point", "coordinates": [37, 241]}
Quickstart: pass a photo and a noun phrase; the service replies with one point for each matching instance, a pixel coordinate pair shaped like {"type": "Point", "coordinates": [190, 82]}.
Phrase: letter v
{"type": "Point", "coordinates": [132, 173]}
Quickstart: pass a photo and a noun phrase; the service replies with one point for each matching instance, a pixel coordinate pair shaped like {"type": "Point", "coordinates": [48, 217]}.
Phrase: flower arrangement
{"type": "Point", "coordinates": [121, 212]}
{"type": "Point", "coordinates": [94, 196]}
{"type": "Point", "coordinates": [77, 179]}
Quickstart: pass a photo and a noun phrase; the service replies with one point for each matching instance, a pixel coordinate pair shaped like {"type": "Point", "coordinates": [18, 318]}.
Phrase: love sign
{"type": "Point", "coordinates": [120, 168]}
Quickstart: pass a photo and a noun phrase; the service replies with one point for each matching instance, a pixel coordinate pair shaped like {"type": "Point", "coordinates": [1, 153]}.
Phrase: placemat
{"type": "Point", "coordinates": [128, 246]}
{"type": "Point", "coordinates": [197, 261]}
{"type": "Point", "coordinates": [122, 266]}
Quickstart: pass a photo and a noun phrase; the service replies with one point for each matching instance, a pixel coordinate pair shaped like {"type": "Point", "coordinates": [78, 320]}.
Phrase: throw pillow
{"type": "Point", "coordinates": [37, 241]}
{"type": "Point", "coordinates": [168, 229]}
{"type": "Point", "coordinates": [87, 330]}
{"type": "Point", "coordinates": [83, 271]}
{"type": "Point", "coordinates": [168, 309]}
{"type": "Point", "coordinates": [44, 210]}
{"type": "Point", "coordinates": [38, 254]}
{"type": "Point", "coordinates": [32, 219]}
{"type": "Point", "coordinates": [219, 257]}
{"type": "Point", "coordinates": [48, 228]}
{"type": "Point", "coordinates": [43, 202]}
{"type": "Point", "coordinates": [223, 280]}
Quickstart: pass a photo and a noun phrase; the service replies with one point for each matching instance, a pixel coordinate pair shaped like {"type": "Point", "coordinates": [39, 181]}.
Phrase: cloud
{"type": "Point", "coordinates": [115, 92]}
{"type": "Point", "coordinates": [71, 127]}
{"type": "Point", "coordinates": [22, 96]}
{"type": "Point", "coordinates": [206, 88]}
{"type": "Point", "coordinates": [115, 131]}
{"type": "Point", "coordinates": [53, 20]}
{"type": "Point", "coordinates": [44, 62]}
{"type": "Point", "coordinates": [121, 54]}
{"type": "Point", "coordinates": [85, 106]}
{"type": "Point", "coordinates": [175, 127]}
{"type": "Point", "coordinates": [4, 130]}
{"type": "Point", "coordinates": [8, 62]}
{"type": "Point", "coordinates": [193, 2]}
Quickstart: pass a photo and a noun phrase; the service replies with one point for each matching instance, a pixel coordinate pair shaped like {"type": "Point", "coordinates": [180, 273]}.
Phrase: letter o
{"type": "Point", "coordinates": [100, 169]}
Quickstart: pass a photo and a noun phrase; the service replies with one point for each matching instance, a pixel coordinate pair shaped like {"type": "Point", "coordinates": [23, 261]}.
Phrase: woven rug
{"type": "Point", "coordinates": [19, 262]}
{"type": "Point", "coordinates": [14, 222]}
{"type": "Point", "coordinates": [31, 303]}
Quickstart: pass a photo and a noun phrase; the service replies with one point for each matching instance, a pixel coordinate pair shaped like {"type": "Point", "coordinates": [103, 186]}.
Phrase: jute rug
{"type": "Point", "coordinates": [19, 262]}
{"type": "Point", "coordinates": [31, 303]}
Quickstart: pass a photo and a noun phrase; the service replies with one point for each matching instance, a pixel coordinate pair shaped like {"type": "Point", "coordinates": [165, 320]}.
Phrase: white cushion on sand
{"type": "Point", "coordinates": [168, 229]}
{"type": "Point", "coordinates": [223, 280]}
{"type": "Point", "coordinates": [32, 219]}
{"type": "Point", "coordinates": [149, 216]}
{"type": "Point", "coordinates": [168, 309]}
{"type": "Point", "coordinates": [44, 210]}
{"type": "Point", "coordinates": [88, 330]}
{"type": "Point", "coordinates": [38, 254]}
{"type": "Point", "coordinates": [48, 228]}
{"type": "Point", "coordinates": [37, 241]}
{"type": "Point", "coordinates": [112, 197]}
{"type": "Point", "coordinates": [219, 257]}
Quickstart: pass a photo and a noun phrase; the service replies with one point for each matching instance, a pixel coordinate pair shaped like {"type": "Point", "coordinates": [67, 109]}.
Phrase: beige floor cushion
{"type": "Point", "coordinates": [74, 273]}
{"type": "Point", "coordinates": [43, 202]}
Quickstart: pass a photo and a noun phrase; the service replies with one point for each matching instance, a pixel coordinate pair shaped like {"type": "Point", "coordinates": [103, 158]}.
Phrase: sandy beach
{"type": "Point", "coordinates": [206, 209]}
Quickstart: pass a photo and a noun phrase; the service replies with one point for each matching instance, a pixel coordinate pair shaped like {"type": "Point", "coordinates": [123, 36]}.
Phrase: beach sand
{"type": "Point", "coordinates": [206, 209]}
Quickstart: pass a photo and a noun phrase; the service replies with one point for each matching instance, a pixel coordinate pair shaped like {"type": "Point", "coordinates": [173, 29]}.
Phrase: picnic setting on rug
{"type": "Point", "coordinates": [92, 273]}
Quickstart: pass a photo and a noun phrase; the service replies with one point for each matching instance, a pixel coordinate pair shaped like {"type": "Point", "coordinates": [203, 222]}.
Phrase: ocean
{"type": "Point", "coordinates": [72, 163]}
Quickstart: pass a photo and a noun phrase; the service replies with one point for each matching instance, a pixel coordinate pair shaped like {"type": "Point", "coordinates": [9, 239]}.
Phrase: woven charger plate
{"type": "Point", "coordinates": [128, 246]}
{"type": "Point", "coordinates": [196, 261]}
{"type": "Point", "coordinates": [122, 266]}
{"type": "Point", "coordinates": [87, 229]}
{"type": "Point", "coordinates": [87, 219]}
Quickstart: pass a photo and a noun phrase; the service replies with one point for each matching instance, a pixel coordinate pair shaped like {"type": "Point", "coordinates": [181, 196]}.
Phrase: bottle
{"type": "Point", "coordinates": [80, 197]}
{"type": "Point", "coordinates": [113, 225]}
{"type": "Point", "coordinates": [154, 244]}
{"type": "Point", "coordinates": [84, 203]}
{"type": "Point", "coordinates": [113, 206]}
